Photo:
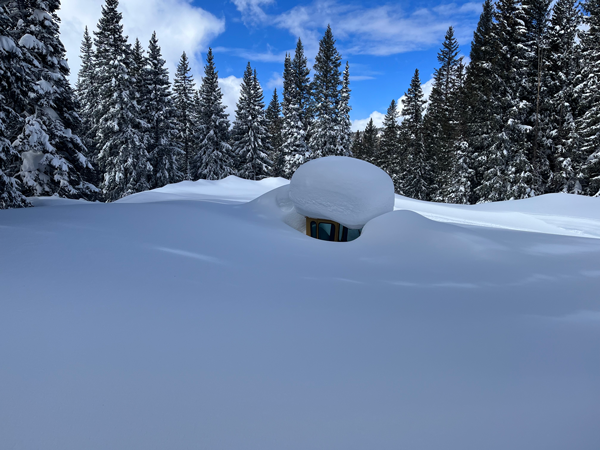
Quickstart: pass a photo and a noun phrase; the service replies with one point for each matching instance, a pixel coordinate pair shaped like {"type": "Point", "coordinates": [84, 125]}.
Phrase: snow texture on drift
{"type": "Point", "coordinates": [199, 325]}
{"type": "Point", "coordinates": [345, 190]}
{"type": "Point", "coordinates": [228, 190]}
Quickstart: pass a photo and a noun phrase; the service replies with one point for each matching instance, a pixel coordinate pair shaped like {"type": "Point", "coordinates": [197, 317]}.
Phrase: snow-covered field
{"type": "Point", "coordinates": [193, 318]}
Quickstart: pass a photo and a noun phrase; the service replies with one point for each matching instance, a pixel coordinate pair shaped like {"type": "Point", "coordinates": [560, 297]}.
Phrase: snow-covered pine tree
{"type": "Point", "coordinates": [53, 161]}
{"type": "Point", "coordinates": [159, 113]}
{"type": "Point", "coordinates": [589, 122]}
{"type": "Point", "coordinates": [440, 122]}
{"type": "Point", "coordinates": [478, 95]}
{"type": "Point", "coordinates": [535, 90]}
{"type": "Point", "coordinates": [87, 95]}
{"type": "Point", "coordinates": [117, 116]}
{"type": "Point", "coordinates": [295, 149]}
{"type": "Point", "coordinates": [183, 88]}
{"type": "Point", "coordinates": [250, 138]}
{"type": "Point", "coordinates": [138, 71]}
{"type": "Point", "coordinates": [412, 179]}
{"type": "Point", "coordinates": [302, 87]}
{"type": "Point", "coordinates": [275, 124]}
{"type": "Point", "coordinates": [10, 59]}
{"type": "Point", "coordinates": [370, 143]}
{"type": "Point", "coordinates": [507, 171]}
{"type": "Point", "coordinates": [561, 137]}
{"type": "Point", "coordinates": [460, 187]}
{"type": "Point", "coordinates": [215, 157]}
{"type": "Point", "coordinates": [357, 149]}
{"type": "Point", "coordinates": [389, 157]}
{"type": "Point", "coordinates": [325, 129]}
{"type": "Point", "coordinates": [345, 124]}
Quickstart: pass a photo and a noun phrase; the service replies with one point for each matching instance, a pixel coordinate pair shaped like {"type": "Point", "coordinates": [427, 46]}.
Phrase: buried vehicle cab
{"type": "Point", "coordinates": [339, 195]}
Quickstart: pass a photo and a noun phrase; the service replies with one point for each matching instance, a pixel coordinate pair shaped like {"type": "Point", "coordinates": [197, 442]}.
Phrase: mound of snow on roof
{"type": "Point", "coordinates": [346, 190]}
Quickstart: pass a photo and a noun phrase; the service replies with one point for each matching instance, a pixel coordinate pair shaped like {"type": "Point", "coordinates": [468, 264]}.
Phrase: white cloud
{"type": "Point", "coordinates": [251, 10]}
{"type": "Point", "coordinates": [276, 81]}
{"type": "Point", "coordinates": [360, 124]}
{"type": "Point", "coordinates": [230, 87]}
{"type": "Point", "coordinates": [179, 25]}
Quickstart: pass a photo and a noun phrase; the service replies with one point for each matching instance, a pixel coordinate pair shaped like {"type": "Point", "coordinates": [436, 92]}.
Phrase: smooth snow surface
{"type": "Point", "coordinates": [346, 190]}
{"type": "Point", "coordinates": [179, 319]}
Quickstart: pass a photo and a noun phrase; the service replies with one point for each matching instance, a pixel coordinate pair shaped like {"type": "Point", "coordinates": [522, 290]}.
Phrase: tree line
{"type": "Point", "coordinates": [522, 119]}
{"type": "Point", "coordinates": [125, 128]}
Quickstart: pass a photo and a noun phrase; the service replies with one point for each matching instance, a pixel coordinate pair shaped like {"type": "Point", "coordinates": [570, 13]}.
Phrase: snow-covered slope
{"type": "Point", "coordinates": [169, 321]}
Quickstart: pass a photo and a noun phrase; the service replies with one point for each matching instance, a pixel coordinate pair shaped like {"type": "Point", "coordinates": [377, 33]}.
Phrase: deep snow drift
{"type": "Point", "coordinates": [346, 190]}
{"type": "Point", "coordinates": [181, 319]}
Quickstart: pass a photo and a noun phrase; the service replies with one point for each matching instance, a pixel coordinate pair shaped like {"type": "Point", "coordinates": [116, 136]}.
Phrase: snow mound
{"type": "Point", "coordinates": [228, 190]}
{"type": "Point", "coordinates": [345, 190]}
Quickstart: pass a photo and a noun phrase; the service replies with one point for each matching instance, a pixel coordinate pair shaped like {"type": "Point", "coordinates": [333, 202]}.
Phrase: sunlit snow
{"type": "Point", "coordinates": [195, 317]}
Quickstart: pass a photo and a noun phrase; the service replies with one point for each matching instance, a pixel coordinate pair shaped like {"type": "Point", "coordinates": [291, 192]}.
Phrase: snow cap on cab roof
{"type": "Point", "coordinates": [345, 190]}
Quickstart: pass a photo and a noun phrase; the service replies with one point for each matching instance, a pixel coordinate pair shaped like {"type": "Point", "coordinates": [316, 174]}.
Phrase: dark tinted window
{"type": "Point", "coordinates": [326, 231]}
{"type": "Point", "coordinates": [353, 234]}
{"type": "Point", "coordinates": [313, 229]}
{"type": "Point", "coordinates": [342, 234]}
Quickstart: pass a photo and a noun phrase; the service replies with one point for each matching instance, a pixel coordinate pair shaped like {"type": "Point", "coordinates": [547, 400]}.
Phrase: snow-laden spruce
{"type": "Point", "coordinates": [346, 190]}
{"type": "Point", "coordinates": [249, 137]}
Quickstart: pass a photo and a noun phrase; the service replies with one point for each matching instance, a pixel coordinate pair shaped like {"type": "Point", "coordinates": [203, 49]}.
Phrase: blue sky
{"type": "Point", "coordinates": [384, 42]}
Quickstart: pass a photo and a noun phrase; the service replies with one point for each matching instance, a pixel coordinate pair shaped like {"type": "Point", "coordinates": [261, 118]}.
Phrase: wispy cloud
{"type": "Point", "coordinates": [276, 81]}
{"type": "Point", "coordinates": [381, 30]}
{"type": "Point", "coordinates": [252, 55]}
{"type": "Point", "coordinates": [179, 25]}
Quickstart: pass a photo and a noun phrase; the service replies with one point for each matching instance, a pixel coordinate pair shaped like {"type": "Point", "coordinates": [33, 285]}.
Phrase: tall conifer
{"type": "Point", "coordinates": [249, 136]}
{"type": "Point", "coordinates": [295, 149]}
{"type": "Point", "coordinates": [412, 180]}
{"type": "Point", "coordinates": [325, 131]}
{"type": "Point", "coordinates": [183, 89]}
{"type": "Point", "coordinates": [215, 158]}
{"type": "Point", "coordinates": [159, 113]}
{"type": "Point", "coordinates": [53, 161]}
{"type": "Point", "coordinates": [118, 117]}
{"type": "Point", "coordinates": [275, 124]}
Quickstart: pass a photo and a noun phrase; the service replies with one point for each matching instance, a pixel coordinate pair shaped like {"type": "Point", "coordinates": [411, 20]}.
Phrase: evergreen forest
{"type": "Point", "coordinates": [521, 119]}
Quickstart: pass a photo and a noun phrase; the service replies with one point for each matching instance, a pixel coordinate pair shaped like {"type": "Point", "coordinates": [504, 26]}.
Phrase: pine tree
{"type": "Point", "coordinates": [478, 95]}
{"type": "Point", "coordinates": [325, 131]}
{"type": "Point", "coordinates": [357, 147]}
{"type": "Point", "coordinates": [440, 123]}
{"type": "Point", "coordinates": [10, 195]}
{"type": "Point", "coordinates": [302, 87]}
{"type": "Point", "coordinates": [389, 148]}
{"type": "Point", "coordinates": [275, 124]}
{"type": "Point", "coordinates": [589, 123]}
{"type": "Point", "coordinates": [250, 135]}
{"type": "Point", "coordinates": [87, 95]}
{"type": "Point", "coordinates": [561, 136]}
{"type": "Point", "coordinates": [507, 171]}
{"type": "Point", "coordinates": [535, 90]}
{"type": "Point", "coordinates": [412, 179]}
{"type": "Point", "coordinates": [53, 161]}
{"type": "Point", "coordinates": [118, 118]}
{"type": "Point", "coordinates": [294, 146]}
{"type": "Point", "coordinates": [184, 116]}
{"type": "Point", "coordinates": [215, 158]}
{"type": "Point", "coordinates": [159, 114]}
{"type": "Point", "coordinates": [462, 173]}
{"type": "Point", "coordinates": [345, 124]}
{"type": "Point", "coordinates": [370, 143]}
